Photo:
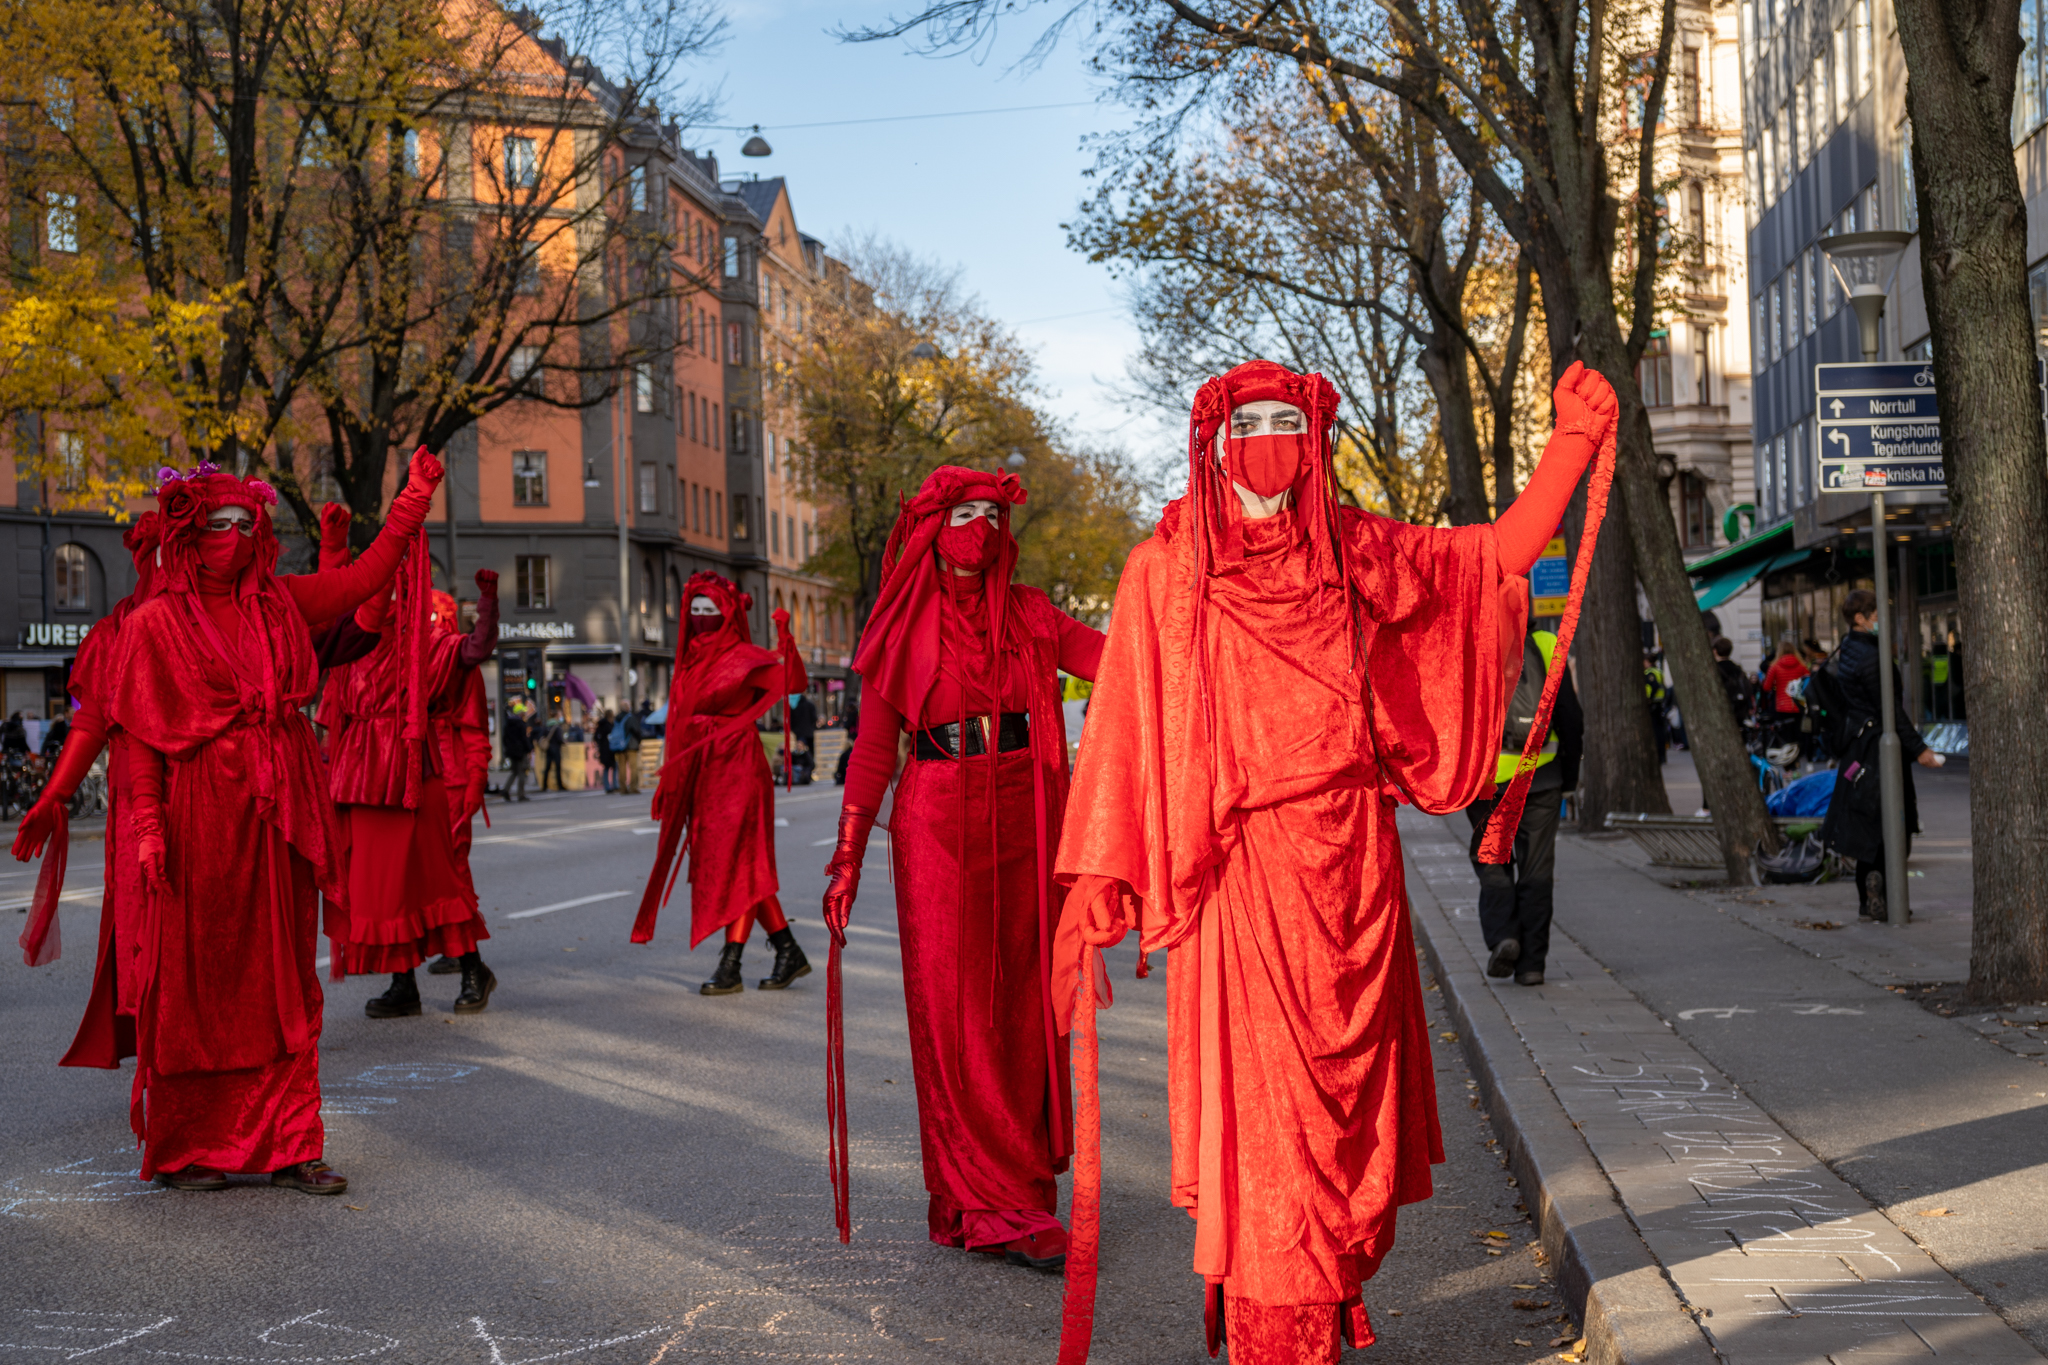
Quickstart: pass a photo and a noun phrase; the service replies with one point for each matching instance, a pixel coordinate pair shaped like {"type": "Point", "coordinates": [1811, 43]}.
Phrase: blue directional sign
{"type": "Point", "coordinates": [1880, 427]}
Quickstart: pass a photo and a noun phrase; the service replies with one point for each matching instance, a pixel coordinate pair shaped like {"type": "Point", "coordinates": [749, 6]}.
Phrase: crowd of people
{"type": "Point", "coordinates": [1281, 671]}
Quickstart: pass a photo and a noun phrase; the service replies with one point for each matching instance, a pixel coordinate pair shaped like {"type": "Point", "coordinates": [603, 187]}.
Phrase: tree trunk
{"type": "Point", "coordinates": [1503, 398]}
{"type": "Point", "coordinates": [1620, 770]}
{"type": "Point", "coordinates": [1443, 363]}
{"type": "Point", "coordinates": [1961, 58]}
{"type": "Point", "coordinates": [1741, 821]}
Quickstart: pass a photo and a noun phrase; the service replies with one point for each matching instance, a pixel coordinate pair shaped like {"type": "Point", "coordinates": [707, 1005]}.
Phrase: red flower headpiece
{"type": "Point", "coordinates": [185, 501]}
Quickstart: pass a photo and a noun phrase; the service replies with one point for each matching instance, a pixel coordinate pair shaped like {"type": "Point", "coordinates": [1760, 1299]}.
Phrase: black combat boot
{"type": "Point", "coordinates": [726, 980]}
{"type": "Point", "coordinates": [478, 981]}
{"type": "Point", "coordinates": [790, 962]}
{"type": "Point", "coordinates": [399, 1000]}
{"type": "Point", "coordinates": [444, 965]}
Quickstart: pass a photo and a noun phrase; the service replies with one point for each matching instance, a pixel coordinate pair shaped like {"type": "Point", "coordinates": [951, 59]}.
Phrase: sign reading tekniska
{"type": "Point", "coordinates": [1880, 427]}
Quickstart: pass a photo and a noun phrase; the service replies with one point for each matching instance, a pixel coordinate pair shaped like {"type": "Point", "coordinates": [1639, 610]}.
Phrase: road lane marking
{"type": "Point", "coordinates": [559, 829]}
{"type": "Point", "coordinates": [568, 905]}
{"type": "Point", "coordinates": [84, 893]}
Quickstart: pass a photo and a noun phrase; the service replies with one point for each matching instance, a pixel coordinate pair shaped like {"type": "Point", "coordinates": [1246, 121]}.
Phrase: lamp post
{"type": "Point", "coordinates": [1864, 265]}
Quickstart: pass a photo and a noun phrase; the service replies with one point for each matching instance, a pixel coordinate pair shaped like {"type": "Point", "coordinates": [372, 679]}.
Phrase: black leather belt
{"type": "Point", "coordinates": [1013, 731]}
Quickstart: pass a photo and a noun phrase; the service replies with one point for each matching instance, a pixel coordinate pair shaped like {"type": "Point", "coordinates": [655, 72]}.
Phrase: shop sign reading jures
{"type": "Point", "coordinates": [54, 634]}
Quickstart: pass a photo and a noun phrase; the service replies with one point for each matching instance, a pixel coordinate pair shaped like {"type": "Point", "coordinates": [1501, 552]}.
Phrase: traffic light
{"type": "Point", "coordinates": [558, 693]}
{"type": "Point", "coordinates": [532, 683]}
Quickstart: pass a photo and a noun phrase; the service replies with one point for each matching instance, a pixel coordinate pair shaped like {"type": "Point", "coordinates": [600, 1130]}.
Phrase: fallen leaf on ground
{"type": "Point", "coordinates": [1530, 1305]}
{"type": "Point", "coordinates": [1937, 1213]}
{"type": "Point", "coordinates": [1520, 1342]}
{"type": "Point", "coordinates": [1818, 924]}
{"type": "Point", "coordinates": [1448, 1037]}
{"type": "Point", "coordinates": [1556, 1342]}
{"type": "Point", "coordinates": [1526, 1286]}
{"type": "Point", "coordinates": [357, 1207]}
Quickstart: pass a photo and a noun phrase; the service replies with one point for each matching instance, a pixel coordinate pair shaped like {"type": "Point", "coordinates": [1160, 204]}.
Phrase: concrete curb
{"type": "Point", "coordinates": [1630, 1312]}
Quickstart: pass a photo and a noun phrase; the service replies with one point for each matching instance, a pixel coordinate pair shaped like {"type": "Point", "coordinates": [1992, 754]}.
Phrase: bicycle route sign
{"type": "Point", "coordinates": [1880, 427]}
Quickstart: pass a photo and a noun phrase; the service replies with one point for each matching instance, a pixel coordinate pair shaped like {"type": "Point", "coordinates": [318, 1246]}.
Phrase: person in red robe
{"type": "Point", "coordinates": [1281, 672]}
{"type": "Point", "coordinates": [459, 717]}
{"type": "Point", "coordinates": [715, 798]}
{"type": "Point", "coordinates": [231, 827]}
{"type": "Point", "coordinates": [967, 663]}
{"type": "Point", "coordinates": [403, 792]}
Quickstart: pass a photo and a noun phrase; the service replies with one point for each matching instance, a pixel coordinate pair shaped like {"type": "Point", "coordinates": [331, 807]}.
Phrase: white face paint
{"type": "Point", "coordinates": [233, 516]}
{"type": "Point", "coordinates": [701, 605]}
{"type": "Point", "coordinates": [968, 511]}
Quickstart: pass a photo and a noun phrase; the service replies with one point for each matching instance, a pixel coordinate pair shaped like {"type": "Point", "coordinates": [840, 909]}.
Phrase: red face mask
{"type": "Point", "coordinates": [973, 547]}
{"type": "Point", "coordinates": [1268, 465]}
{"type": "Point", "coordinates": [226, 553]}
{"type": "Point", "coordinates": [704, 625]}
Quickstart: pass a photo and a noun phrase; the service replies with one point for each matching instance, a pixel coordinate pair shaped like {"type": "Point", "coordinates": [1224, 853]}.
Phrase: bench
{"type": "Point", "coordinates": [1688, 840]}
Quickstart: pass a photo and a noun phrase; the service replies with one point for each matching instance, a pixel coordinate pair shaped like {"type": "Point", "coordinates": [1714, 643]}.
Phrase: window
{"type": "Point", "coordinates": [732, 258]}
{"type": "Point", "coordinates": [522, 166]}
{"type": "Point", "coordinates": [530, 572]}
{"type": "Point", "coordinates": [1909, 193]}
{"type": "Point", "coordinates": [1692, 513]}
{"type": "Point", "coordinates": [643, 388]}
{"type": "Point", "coordinates": [807, 540]}
{"type": "Point", "coordinates": [792, 536]}
{"type": "Point", "coordinates": [1866, 54]}
{"type": "Point", "coordinates": [769, 439]}
{"type": "Point", "coordinates": [718, 506]}
{"type": "Point", "coordinates": [739, 519]}
{"type": "Point", "coordinates": [62, 222]}
{"type": "Point", "coordinates": [70, 461]}
{"type": "Point", "coordinates": [2037, 294]}
{"type": "Point", "coordinates": [736, 436]}
{"type": "Point", "coordinates": [1784, 498]}
{"type": "Point", "coordinates": [1696, 222]}
{"type": "Point", "coordinates": [636, 189]}
{"type": "Point", "coordinates": [1777, 348]}
{"type": "Point", "coordinates": [650, 487]}
{"type": "Point", "coordinates": [1653, 371]}
{"type": "Point", "coordinates": [735, 335]}
{"type": "Point", "coordinates": [775, 535]}
{"type": "Point", "coordinates": [1702, 366]}
{"type": "Point", "coordinates": [675, 594]}
{"type": "Point", "coordinates": [70, 579]}
{"type": "Point", "coordinates": [527, 281]}
{"type": "Point", "coordinates": [1808, 137]}
{"type": "Point", "coordinates": [696, 522]}
{"type": "Point", "coordinates": [1813, 271]}
{"type": "Point", "coordinates": [1838, 68]}
{"type": "Point", "coordinates": [58, 103]}
{"type": "Point", "coordinates": [525, 362]}
{"type": "Point", "coordinates": [529, 478]}
{"type": "Point", "coordinates": [409, 151]}
{"type": "Point", "coordinates": [714, 427]}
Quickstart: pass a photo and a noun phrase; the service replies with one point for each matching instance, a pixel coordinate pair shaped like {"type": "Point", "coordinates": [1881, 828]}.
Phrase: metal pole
{"type": "Point", "coordinates": [1891, 772]}
{"type": "Point", "coordinates": [448, 493]}
{"type": "Point", "coordinates": [625, 567]}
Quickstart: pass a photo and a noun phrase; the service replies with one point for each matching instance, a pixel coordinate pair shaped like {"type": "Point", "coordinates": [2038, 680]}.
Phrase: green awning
{"type": "Point", "coordinates": [1718, 588]}
{"type": "Point", "coordinates": [1763, 545]}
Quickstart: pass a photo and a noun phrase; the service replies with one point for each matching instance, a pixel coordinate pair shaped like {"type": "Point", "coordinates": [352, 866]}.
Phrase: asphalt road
{"type": "Point", "coordinates": [607, 1167]}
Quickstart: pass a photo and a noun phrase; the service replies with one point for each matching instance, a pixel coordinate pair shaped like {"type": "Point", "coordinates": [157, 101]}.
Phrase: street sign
{"type": "Point", "coordinates": [1550, 580]}
{"type": "Point", "coordinates": [1880, 427]}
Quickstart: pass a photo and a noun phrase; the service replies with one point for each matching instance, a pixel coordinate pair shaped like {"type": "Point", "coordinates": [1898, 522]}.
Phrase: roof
{"type": "Point", "coordinates": [760, 195]}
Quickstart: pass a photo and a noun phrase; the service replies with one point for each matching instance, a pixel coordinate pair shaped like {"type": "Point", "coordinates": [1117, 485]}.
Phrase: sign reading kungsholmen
{"type": "Point", "coordinates": [1880, 427]}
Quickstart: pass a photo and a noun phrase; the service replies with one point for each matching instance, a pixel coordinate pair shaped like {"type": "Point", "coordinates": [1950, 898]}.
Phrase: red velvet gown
{"type": "Point", "coordinates": [207, 695]}
{"type": "Point", "coordinates": [458, 717]}
{"type": "Point", "coordinates": [715, 784]}
{"type": "Point", "coordinates": [993, 1095]}
{"type": "Point", "coordinates": [1261, 848]}
{"type": "Point", "coordinates": [406, 899]}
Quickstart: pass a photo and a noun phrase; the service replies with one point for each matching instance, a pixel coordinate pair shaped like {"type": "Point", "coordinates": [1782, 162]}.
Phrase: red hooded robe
{"type": "Point", "coordinates": [971, 840]}
{"type": "Point", "coordinates": [715, 797]}
{"type": "Point", "coordinates": [209, 679]}
{"type": "Point", "coordinates": [1271, 690]}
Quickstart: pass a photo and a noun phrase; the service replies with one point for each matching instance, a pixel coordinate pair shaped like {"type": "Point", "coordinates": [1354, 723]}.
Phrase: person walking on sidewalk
{"type": "Point", "coordinates": [1515, 897]}
{"type": "Point", "coordinates": [518, 743]}
{"type": "Point", "coordinates": [1280, 670]}
{"type": "Point", "coordinates": [1854, 827]}
{"type": "Point", "coordinates": [633, 730]}
{"type": "Point", "coordinates": [803, 736]}
{"type": "Point", "coordinates": [715, 798]}
{"type": "Point", "coordinates": [607, 761]}
{"type": "Point", "coordinates": [555, 739]}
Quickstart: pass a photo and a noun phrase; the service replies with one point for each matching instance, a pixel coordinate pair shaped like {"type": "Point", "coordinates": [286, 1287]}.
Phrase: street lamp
{"type": "Point", "coordinates": [1016, 460]}
{"type": "Point", "coordinates": [757, 145]}
{"type": "Point", "coordinates": [1864, 265]}
{"type": "Point", "coordinates": [924, 350]}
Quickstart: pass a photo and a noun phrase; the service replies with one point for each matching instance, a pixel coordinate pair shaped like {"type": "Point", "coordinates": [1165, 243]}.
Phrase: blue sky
{"type": "Point", "coordinates": [987, 194]}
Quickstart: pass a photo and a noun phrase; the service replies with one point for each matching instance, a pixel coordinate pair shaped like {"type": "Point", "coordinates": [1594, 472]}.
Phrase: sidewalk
{"type": "Point", "coordinates": [1742, 1139]}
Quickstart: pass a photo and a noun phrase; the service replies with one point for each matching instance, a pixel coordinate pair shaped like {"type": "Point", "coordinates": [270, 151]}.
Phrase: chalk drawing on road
{"type": "Point", "coordinates": [1808, 1009]}
{"type": "Point", "coordinates": [511, 1348]}
{"type": "Point", "coordinates": [303, 1340]}
{"type": "Point", "coordinates": [1718, 1011]}
{"type": "Point", "coordinates": [367, 1091]}
{"type": "Point", "coordinates": [89, 1180]}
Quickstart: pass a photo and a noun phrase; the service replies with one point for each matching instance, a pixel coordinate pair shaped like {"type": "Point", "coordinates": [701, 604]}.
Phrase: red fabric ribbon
{"type": "Point", "coordinates": [838, 1146]}
{"type": "Point", "coordinates": [1077, 1314]}
{"type": "Point", "coordinates": [41, 941]}
{"type": "Point", "coordinates": [1498, 845]}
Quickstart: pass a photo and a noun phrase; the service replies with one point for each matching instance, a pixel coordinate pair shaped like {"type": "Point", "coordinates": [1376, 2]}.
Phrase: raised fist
{"type": "Point", "coordinates": [1586, 404]}
{"type": "Point", "coordinates": [779, 616]}
{"type": "Point", "coordinates": [425, 468]}
{"type": "Point", "coordinates": [36, 827]}
{"type": "Point", "coordinates": [487, 582]}
{"type": "Point", "coordinates": [334, 521]}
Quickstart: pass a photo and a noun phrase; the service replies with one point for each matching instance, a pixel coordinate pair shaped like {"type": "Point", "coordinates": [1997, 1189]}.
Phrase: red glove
{"type": "Point", "coordinates": [409, 509]}
{"type": "Point", "coordinates": [1585, 404]}
{"type": "Point", "coordinates": [487, 583]}
{"type": "Point", "coordinates": [37, 825]}
{"type": "Point", "coordinates": [334, 524]}
{"type": "Point", "coordinates": [81, 747]}
{"type": "Point", "coordinates": [149, 855]}
{"type": "Point", "coordinates": [843, 871]}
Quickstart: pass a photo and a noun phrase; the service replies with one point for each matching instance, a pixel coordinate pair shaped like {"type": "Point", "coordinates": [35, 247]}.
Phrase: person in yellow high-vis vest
{"type": "Point", "coordinates": [1515, 897]}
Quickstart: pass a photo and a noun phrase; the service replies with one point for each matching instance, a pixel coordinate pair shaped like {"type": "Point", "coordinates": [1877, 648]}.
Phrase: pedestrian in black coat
{"type": "Point", "coordinates": [1854, 827]}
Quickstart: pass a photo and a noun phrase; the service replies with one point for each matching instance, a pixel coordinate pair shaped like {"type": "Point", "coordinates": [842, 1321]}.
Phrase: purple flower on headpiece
{"type": "Point", "coordinates": [166, 474]}
{"type": "Point", "coordinates": [205, 467]}
{"type": "Point", "coordinates": [263, 491]}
